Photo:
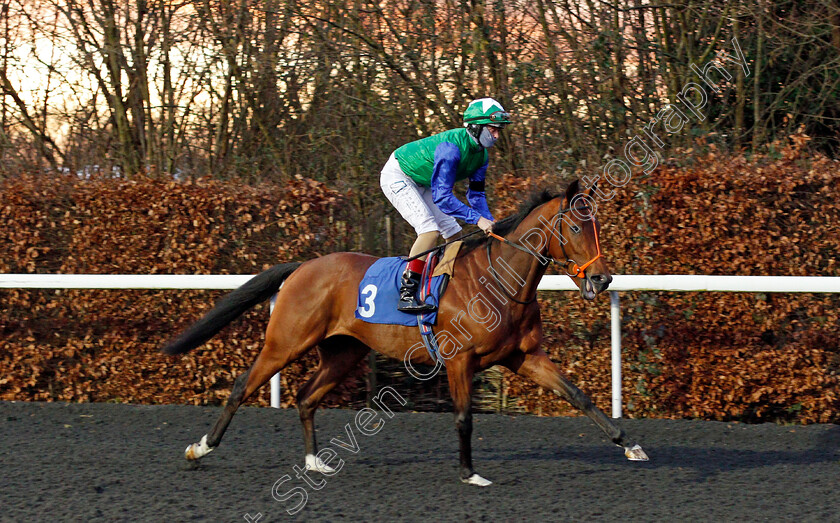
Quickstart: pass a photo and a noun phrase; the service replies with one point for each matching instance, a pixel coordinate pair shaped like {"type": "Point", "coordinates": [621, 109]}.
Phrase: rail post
{"type": "Point", "coordinates": [615, 338]}
{"type": "Point", "coordinates": [275, 380]}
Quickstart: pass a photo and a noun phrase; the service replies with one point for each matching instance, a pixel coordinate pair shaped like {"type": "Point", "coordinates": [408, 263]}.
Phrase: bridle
{"type": "Point", "coordinates": [578, 271]}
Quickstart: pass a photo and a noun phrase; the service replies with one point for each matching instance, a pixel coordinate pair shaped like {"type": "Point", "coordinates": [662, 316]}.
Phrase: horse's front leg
{"type": "Point", "coordinates": [539, 367]}
{"type": "Point", "coordinates": [460, 372]}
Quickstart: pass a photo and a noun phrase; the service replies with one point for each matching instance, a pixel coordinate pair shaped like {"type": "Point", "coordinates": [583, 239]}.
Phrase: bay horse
{"type": "Point", "coordinates": [489, 310]}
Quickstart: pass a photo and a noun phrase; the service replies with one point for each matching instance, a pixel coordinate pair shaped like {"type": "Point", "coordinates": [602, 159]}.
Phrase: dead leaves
{"type": "Point", "coordinates": [88, 345]}
{"type": "Point", "coordinates": [718, 356]}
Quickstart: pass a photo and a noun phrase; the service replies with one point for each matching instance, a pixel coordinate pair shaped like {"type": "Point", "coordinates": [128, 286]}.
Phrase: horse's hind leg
{"type": "Point", "coordinates": [211, 441]}
{"type": "Point", "coordinates": [539, 367]}
{"type": "Point", "coordinates": [338, 357]}
{"type": "Point", "coordinates": [271, 360]}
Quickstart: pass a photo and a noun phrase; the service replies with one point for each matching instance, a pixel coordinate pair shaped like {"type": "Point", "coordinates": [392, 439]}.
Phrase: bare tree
{"type": "Point", "coordinates": [265, 90]}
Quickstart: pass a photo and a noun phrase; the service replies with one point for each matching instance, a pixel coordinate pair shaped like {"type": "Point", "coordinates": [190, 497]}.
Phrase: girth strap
{"type": "Point", "coordinates": [429, 341]}
{"type": "Point", "coordinates": [426, 332]}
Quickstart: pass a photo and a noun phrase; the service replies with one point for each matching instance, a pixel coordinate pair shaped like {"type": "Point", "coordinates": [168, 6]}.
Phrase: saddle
{"type": "Point", "coordinates": [379, 292]}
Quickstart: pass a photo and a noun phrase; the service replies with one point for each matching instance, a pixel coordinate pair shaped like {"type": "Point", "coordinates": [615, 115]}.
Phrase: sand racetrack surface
{"type": "Point", "coordinates": [105, 462]}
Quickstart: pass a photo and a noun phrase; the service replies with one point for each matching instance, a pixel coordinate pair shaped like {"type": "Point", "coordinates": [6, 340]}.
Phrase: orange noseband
{"type": "Point", "coordinates": [578, 270]}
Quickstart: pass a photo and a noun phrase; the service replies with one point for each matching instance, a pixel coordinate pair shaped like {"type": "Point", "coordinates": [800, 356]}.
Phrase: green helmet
{"type": "Point", "coordinates": [486, 111]}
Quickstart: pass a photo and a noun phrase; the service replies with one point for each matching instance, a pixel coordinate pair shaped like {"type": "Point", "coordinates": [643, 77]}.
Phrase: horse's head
{"type": "Point", "coordinates": [574, 242]}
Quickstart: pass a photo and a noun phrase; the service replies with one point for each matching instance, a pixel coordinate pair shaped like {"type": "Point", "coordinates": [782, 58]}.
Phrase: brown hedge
{"type": "Point", "coordinates": [102, 345]}
{"type": "Point", "coordinates": [718, 356]}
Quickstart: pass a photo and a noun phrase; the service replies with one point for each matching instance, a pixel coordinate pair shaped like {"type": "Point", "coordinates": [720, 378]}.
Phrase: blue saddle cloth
{"type": "Point", "coordinates": [379, 293]}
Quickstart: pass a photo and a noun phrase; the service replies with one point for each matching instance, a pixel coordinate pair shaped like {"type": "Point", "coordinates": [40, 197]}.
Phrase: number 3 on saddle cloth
{"type": "Point", "coordinates": [379, 292]}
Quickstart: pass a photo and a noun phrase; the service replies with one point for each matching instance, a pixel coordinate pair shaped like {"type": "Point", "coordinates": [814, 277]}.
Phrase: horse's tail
{"type": "Point", "coordinates": [256, 290]}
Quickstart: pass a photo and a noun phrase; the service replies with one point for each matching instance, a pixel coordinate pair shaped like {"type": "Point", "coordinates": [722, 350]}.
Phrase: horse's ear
{"type": "Point", "coordinates": [572, 190]}
{"type": "Point", "coordinates": [589, 190]}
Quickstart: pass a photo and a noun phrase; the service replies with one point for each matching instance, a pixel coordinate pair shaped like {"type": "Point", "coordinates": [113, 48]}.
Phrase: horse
{"type": "Point", "coordinates": [489, 311]}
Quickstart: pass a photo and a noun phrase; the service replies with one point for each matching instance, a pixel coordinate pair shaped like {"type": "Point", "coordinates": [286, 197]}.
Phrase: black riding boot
{"type": "Point", "coordinates": [408, 295]}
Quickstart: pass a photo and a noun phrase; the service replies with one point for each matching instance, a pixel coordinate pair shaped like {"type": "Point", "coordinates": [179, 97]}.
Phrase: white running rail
{"type": "Point", "coordinates": [667, 283]}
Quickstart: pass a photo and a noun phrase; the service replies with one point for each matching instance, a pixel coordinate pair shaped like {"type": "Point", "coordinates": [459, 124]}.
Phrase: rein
{"type": "Point", "coordinates": [493, 271]}
{"type": "Point", "coordinates": [578, 271]}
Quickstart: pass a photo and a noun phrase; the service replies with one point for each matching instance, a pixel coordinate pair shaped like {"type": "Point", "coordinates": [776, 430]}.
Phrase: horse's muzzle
{"type": "Point", "coordinates": [594, 284]}
{"type": "Point", "coordinates": [601, 282]}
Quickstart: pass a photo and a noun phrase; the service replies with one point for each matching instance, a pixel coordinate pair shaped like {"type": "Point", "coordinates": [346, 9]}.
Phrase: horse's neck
{"type": "Point", "coordinates": [527, 267]}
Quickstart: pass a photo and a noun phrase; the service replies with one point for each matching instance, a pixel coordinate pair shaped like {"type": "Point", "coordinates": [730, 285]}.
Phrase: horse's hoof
{"type": "Point", "coordinates": [198, 450]}
{"type": "Point", "coordinates": [314, 463]}
{"type": "Point", "coordinates": [475, 479]}
{"type": "Point", "coordinates": [635, 453]}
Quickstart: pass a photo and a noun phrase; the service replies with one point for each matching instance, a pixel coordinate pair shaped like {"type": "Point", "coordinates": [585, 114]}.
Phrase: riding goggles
{"type": "Point", "coordinates": [496, 117]}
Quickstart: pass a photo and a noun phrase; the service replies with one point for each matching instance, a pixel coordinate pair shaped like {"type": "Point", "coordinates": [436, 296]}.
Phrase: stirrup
{"type": "Point", "coordinates": [408, 295]}
{"type": "Point", "coordinates": [415, 307]}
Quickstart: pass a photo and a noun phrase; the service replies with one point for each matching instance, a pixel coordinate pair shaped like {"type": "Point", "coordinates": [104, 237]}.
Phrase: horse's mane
{"type": "Point", "coordinates": [508, 224]}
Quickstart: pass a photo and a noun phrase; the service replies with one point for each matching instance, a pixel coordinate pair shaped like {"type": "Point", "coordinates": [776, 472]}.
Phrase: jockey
{"type": "Point", "coordinates": [419, 177]}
